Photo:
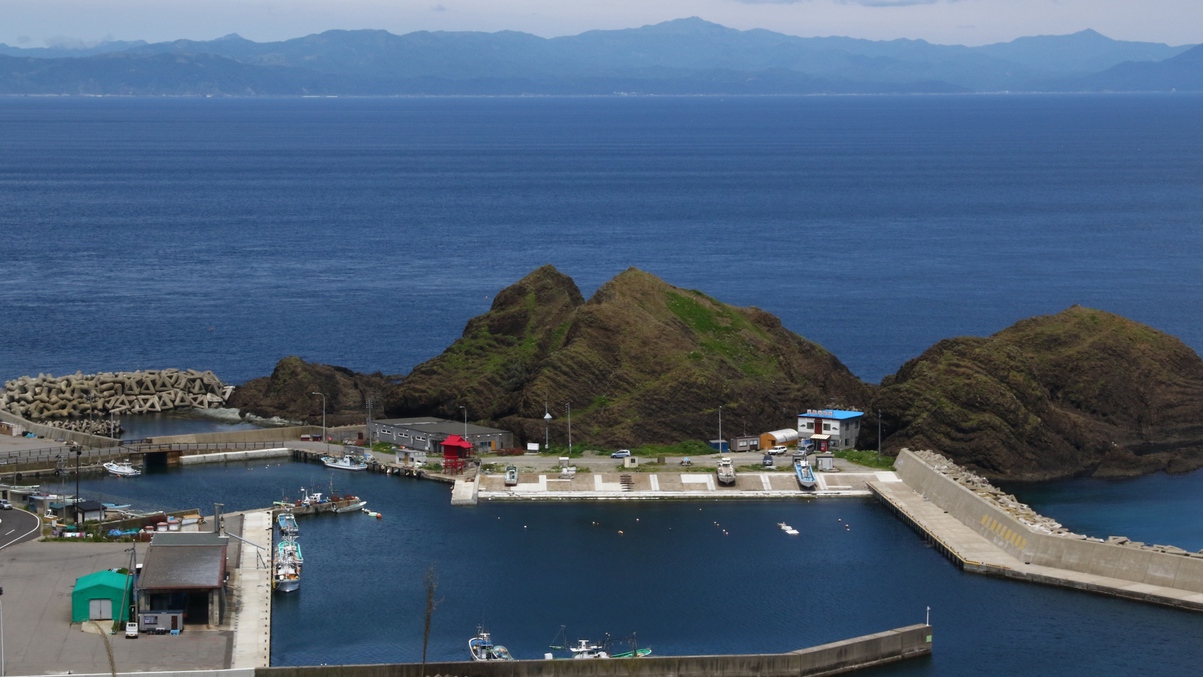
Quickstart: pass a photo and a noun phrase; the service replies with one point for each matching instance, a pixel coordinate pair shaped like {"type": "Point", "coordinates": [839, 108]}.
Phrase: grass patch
{"type": "Point", "coordinates": [868, 459]}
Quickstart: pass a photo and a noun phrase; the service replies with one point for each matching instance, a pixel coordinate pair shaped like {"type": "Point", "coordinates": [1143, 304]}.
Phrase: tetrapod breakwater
{"type": "Point", "coordinates": [82, 395]}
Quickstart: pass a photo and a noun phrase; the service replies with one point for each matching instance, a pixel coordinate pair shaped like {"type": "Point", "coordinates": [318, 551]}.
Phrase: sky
{"type": "Point", "coordinates": [41, 23]}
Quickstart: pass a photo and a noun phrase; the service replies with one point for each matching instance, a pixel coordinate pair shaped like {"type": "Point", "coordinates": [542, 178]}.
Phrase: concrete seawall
{"type": "Point", "coordinates": [982, 537]}
{"type": "Point", "coordinates": [852, 654]}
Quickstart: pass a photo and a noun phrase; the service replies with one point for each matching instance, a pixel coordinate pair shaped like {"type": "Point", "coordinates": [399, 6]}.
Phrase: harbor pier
{"type": "Point", "coordinates": [981, 531]}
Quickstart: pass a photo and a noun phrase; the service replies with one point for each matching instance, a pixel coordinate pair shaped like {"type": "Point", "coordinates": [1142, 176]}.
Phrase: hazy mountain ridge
{"type": "Point", "coordinates": [684, 56]}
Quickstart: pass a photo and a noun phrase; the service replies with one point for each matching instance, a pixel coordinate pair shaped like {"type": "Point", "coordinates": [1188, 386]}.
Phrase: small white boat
{"type": "Point", "coordinates": [122, 469]}
{"type": "Point", "coordinates": [347, 462]}
{"type": "Point", "coordinates": [482, 648]}
{"type": "Point", "coordinates": [351, 507]}
{"type": "Point", "coordinates": [586, 649]}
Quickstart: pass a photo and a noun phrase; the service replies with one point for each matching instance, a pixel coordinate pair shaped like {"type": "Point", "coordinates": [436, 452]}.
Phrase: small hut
{"type": "Point", "coordinates": [456, 453]}
{"type": "Point", "coordinates": [102, 596]}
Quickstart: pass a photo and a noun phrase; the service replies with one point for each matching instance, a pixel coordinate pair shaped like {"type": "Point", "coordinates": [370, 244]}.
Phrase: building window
{"type": "Point", "coordinates": [810, 425]}
{"type": "Point", "coordinates": [826, 426]}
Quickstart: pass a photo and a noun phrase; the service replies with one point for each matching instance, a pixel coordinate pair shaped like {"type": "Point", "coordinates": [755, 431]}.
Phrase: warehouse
{"type": "Point", "coordinates": [426, 434]}
{"type": "Point", "coordinates": [100, 597]}
{"type": "Point", "coordinates": [183, 581]}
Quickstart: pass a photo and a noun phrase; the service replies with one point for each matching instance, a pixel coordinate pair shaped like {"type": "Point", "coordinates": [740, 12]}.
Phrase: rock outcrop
{"type": "Point", "coordinates": [1080, 392]}
{"type": "Point", "coordinates": [641, 361]}
{"type": "Point", "coordinates": [287, 393]}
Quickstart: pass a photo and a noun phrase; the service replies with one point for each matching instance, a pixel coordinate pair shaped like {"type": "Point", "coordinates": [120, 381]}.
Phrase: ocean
{"type": "Point", "coordinates": [225, 234]}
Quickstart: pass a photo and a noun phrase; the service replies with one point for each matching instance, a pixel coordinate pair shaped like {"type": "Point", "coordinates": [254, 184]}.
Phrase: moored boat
{"type": "Point", "coordinates": [482, 648]}
{"type": "Point", "coordinates": [287, 570]}
{"type": "Point", "coordinates": [122, 469]}
{"type": "Point", "coordinates": [511, 475]}
{"type": "Point", "coordinates": [347, 462]}
{"type": "Point", "coordinates": [288, 523]}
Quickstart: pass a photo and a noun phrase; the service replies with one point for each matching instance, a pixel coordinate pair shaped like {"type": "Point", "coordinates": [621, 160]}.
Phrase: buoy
{"type": "Point", "coordinates": [620, 532]}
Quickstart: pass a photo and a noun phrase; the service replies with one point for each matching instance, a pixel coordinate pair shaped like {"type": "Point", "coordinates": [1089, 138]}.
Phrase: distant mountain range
{"type": "Point", "coordinates": [685, 56]}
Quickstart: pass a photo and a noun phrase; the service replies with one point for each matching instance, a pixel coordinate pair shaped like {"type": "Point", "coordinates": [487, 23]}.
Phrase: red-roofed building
{"type": "Point", "coordinates": [456, 453]}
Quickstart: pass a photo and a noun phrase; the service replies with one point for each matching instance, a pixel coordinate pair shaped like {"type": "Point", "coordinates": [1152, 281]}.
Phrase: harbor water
{"type": "Point", "coordinates": [685, 577]}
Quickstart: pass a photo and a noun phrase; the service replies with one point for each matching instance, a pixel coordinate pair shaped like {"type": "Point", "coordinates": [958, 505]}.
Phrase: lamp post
{"type": "Point", "coordinates": [1, 632]}
{"type": "Point", "coordinates": [78, 452]}
{"type": "Point", "coordinates": [720, 428]}
{"type": "Point", "coordinates": [546, 428]}
{"type": "Point", "coordinates": [323, 420]}
{"type": "Point", "coordinates": [465, 421]}
{"type": "Point", "coordinates": [568, 408]}
{"type": "Point", "coordinates": [879, 434]}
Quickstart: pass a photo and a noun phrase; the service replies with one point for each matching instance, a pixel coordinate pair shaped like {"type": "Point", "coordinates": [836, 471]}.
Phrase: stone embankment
{"type": "Point", "coordinates": [138, 392]}
{"type": "Point", "coordinates": [1022, 512]}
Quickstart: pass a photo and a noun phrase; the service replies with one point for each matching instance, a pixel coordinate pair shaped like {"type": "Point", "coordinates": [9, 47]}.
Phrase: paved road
{"type": "Point", "coordinates": [17, 526]}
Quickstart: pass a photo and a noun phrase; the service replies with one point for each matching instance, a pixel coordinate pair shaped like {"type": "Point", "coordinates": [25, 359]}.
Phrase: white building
{"type": "Point", "coordinates": [830, 428]}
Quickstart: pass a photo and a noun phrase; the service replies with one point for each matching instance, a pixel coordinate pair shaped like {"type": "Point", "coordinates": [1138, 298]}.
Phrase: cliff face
{"type": "Point", "coordinates": [287, 393]}
{"type": "Point", "coordinates": [641, 361]}
{"type": "Point", "coordinates": [1082, 391]}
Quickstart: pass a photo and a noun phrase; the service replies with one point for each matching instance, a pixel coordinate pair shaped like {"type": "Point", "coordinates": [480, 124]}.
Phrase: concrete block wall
{"type": "Point", "coordinates": [1127, 563]}
{"type": "Point", "coordinates": [883, 647]}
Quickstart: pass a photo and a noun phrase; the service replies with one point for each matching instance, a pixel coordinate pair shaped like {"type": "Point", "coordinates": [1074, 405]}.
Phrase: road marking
{"type": "Point", "coordinates": [9, 532]}
{"type": "Point", "coordinates": [37, 525]}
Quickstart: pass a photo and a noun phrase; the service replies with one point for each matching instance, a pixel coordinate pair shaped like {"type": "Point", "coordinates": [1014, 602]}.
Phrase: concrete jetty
{"type": "Point", "coordinates": [253, 620]}
{"type": "Point", "coordinates": [985, 531]}
{"type": "Point", "coordinates": [666, 486]}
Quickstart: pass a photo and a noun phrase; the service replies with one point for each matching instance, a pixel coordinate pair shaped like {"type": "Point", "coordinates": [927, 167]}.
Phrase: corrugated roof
{"type": "Point", "coordinates": [102, 579]}
{"type": "Point", "coordinates": [837, 414]}
{"type": "Point", "coordinates": [182, 567]}
{"type": "Point", "coordinates": [438, 426]}
{"type": "Point", "coordinates": [170, 538]}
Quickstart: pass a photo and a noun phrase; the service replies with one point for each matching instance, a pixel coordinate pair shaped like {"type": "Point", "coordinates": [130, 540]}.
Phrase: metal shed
{"type": "Point", "coordinates": [102, 596]}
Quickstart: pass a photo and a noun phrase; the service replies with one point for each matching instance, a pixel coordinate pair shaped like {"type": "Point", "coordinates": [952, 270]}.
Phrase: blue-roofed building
{"type": "Point", "coordinates": [828, 429]}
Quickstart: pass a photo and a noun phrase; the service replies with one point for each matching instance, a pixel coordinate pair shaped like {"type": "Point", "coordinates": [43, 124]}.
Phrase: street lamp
{"type": "Point", "coordinates": [78, 452]}
{"type": "Point", "coordinates": [1, 632]}
{"type": "Point", "coordinates": [568, 407]}
{"type": "Point", "coordinates": [546, 428]}
{"type": "Point", "coordinates": [323, 420]}
{"type": "Point", "coordinates": [465, 421]}
{"type": "Point", "coordinates": [720, 428]}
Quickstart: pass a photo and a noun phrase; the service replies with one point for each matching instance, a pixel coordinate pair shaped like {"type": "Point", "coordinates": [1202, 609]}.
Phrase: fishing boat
{"type": "Point", "coordinates": [288, 524]}
{"type": "Point", "coordinates": [122, 469]}
{"type": "Point", "coordinates": [586, 649]}
{"type": "Point", "coordinates": [806, 476]}
{"type": "Point", "coordinates": [511, 475]}
{"type": "Point", "coordinates": [726, 471]}
{"type": "Point", "coordinates": [352, 506]}
{"type": "Point", "coordinates": [347, 462]}
{"type": "Point", "coordinates": [287, 574]}
{"type": "Point", "coordinates": [482, 648]}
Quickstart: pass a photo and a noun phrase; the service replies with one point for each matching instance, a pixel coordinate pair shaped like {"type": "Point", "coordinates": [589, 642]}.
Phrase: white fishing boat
{"type": "Point", "coordinates": [122, 469]}
{"type": "Point", "coordinates": [586, 649]}
{"type": "Point", "coordinates": [287, 574]}
{"type": "Point", "coordinates": [482, 648]}
{"type": "Point", "coordinates": [350, 507]}
{"type": "Point", "coordinates": [726, 471]}
{"type": "Point", "coordinates": [347, 462]}
{"type": "Point", "coordinates": [804, 473]}
{"type": "Point", "coordinates": [288, 523]}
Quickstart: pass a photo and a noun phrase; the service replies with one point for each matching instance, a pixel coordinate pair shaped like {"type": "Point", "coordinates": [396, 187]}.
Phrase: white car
{"type": "Point", "coordinates": [131, 630]}
{"type": "Point", "coordinates": [778, 450]}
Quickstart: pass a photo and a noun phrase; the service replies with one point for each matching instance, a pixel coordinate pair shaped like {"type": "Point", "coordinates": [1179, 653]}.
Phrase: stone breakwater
{"type": "Point", "coordinates": [1022, 512]}
{"type": "Point", "coordinates": [137, 392]}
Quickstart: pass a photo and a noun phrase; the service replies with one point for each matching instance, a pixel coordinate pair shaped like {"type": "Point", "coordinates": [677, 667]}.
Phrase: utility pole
{"type": "Point", "coordinates": [568, 408]}
{"type": "Point", "coordinates": [323, 420]}
{"type": "Point", "coordinates": [371, 437]}
{"type": "Point", "coordinates": [879, 434]}
{"type": "Point", "coordinates": [720, 428]}
{"type": "Point", "coordinates": [465, 421]}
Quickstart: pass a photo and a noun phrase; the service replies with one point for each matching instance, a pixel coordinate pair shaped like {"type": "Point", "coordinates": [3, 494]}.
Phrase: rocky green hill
{"type": "Point", "coordinates": [287, 393]}
{"type": "Point", "coordinates": [1079, 392]}
{"type": "Point", "coordinates": [639, 362]}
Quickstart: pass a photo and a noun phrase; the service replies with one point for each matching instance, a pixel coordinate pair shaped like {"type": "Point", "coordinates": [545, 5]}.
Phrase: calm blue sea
{"type": "Point", "coordinates": [225, 234]}
{"type": "Point", "coordinates": [687, 577]}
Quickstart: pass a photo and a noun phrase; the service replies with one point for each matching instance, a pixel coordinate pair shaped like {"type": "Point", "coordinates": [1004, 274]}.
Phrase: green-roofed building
{"type": "Point", "coordinates": [103, 595]}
